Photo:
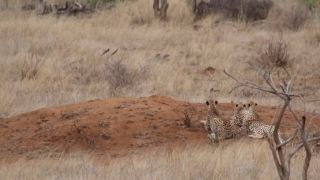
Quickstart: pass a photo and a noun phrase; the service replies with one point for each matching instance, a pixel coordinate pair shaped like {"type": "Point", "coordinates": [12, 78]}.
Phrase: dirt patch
{"type": "Point", "coordinates": [111, 127]}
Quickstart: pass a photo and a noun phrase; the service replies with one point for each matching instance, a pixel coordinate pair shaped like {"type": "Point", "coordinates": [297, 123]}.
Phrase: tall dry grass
{"type": "Point", "coordinates": [47, 61]}
{"type": "Point", "coordinates": [230, 160]}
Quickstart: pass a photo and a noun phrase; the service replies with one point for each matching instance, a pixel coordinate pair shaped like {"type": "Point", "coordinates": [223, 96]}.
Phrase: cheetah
{"type": "Point", "coordinates": [237, 116]}
{"type": "Point", "coordinates": [217, 127]}
{"type": "Point", "coordinates": [249, 114]}
{"type": "Point", "coordinates": [247, 117]}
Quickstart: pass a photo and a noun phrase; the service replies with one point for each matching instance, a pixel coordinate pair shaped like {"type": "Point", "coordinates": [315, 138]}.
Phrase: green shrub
{"type": "Point", "coordinates": [312, 3]}
{"type": "Point", "coordinates": [99, 3]}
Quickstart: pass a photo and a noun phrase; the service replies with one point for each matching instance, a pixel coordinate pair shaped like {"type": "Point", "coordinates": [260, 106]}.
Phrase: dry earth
{"type": "Point", "coordinates": [111, 128]}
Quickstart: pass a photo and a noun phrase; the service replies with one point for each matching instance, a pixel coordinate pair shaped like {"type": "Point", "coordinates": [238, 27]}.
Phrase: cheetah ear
{"type": "Point", "coordinates": [216, 102]}
{"type": "Point", "coordinates": [207, 103]}
{"type": "Point", "coordinates": [237, 105]}
{"type": "Point", "coordinates": [244, 105]}
{"type": "Point", "coordinates": [256, 104]}
{"type": "Point", "coordinates": [249, 105]}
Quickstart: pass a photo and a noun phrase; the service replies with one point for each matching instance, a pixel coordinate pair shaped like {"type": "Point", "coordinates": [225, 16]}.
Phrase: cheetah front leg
{"type": "Point", "coordinates": [204, 123]}
{"type": "Point", "coordinates": [213, 138]}
{"type": "Point", "coordinates": [256, 136]}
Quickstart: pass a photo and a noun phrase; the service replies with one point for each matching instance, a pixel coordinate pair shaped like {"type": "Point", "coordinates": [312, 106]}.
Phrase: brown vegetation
{"type": "Point", "coordinates": [126, 51]}
{"type": "Point", "coordinates": [238, 160]}
{"type": "Point", "coordinates": [249, 10]}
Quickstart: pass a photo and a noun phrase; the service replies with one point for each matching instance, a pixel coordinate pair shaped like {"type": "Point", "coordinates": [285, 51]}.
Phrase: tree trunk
{"type": "Point", "coordinates": [156, 8]}
{"type": "Point", "coordinates": [160, 8]}
{"type": "Point", "coordinates": [163, 9]}
{"type": "Point", "coordinates": [40, 6]}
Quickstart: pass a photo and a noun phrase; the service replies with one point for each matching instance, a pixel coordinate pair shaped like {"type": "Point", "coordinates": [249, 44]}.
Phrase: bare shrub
{"type": "Point", "coordinates": [275, 55]}
{"type": "Point", "coordinates": [254, 9]}
{"type": "Point", "coordinates": [202, 9]}
{"type": "Point", "coordinates": [187, 119]}
{"type": "Point", "coordinates": [121, 77]}
{"type": "Point", "coordinates": [295, 17]}
{"type": "Point", "coordinates": [248, 10]}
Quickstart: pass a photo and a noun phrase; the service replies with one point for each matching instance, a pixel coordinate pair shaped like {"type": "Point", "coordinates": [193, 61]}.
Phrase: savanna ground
{"type": "Point", "coordinates": [50, 61]}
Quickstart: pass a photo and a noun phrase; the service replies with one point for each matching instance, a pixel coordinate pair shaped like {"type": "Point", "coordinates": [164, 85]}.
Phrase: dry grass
{"type": "Point", "coordinates": [236, 160]}
{"type": "Point", "coordinates": [47, 61]}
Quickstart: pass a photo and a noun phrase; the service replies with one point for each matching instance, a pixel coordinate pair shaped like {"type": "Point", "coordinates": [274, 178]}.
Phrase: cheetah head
{"type": "Point", "coordinates": [251, 105]}
{"type": "Point", "coordinates": [237, 110]}
{"type": "Point", "coordinates": [212, 106]}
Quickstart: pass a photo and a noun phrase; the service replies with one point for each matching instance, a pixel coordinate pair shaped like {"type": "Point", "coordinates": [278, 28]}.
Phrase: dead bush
{"type": "Point", "coordinates": [121, 77]}
{"type": "Point", "coordinates": [255, 9]}
{"type": "Point", "coordinates": [295, 17]}
{"type": "Point", "coordinates": [249, 10]}
{"type": "Point", "coordinates": [275, 55]}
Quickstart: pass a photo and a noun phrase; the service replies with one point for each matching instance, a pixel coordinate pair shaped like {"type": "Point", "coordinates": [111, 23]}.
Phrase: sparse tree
{"type": "Point", "coordinates": [278, 81]}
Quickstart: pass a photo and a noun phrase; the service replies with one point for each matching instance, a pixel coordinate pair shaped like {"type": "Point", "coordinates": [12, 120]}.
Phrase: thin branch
{"type": "Point", "coordinates": [295, 116]}
{"type": "Point", "coordinates": [288, 140]}
{"type": "Point", "coordinates": [276, 159]}
{"type": "Point", "coordinates": [276, 138]}
{"type": "Point", "coordinates": [253, 85]}
{"type": "Point", "coordinates": [307, 150]}
{"type": "Point", "coordinates": [315, 100]}
{"type": "Point", "coordinates": [299, 146]}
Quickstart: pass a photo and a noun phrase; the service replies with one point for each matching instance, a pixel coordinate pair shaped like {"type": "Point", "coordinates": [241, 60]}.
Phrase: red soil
{"type": "Point", "coordinates": [112, 127]}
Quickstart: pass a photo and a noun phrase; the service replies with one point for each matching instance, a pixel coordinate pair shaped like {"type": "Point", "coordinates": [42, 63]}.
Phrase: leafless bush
{"type": "Point", "coordinates": [121, 77]}
{"type": "Point", "coordinates": [187, 119]}
{"type": "Point", "coordinates": [275, 55]}
{"type": "Point", "coordinates": [253, 10]}
{"type": "Point", "coordinates": [249, 10]}
{"type": "Point", "coordinates": [295, 17]}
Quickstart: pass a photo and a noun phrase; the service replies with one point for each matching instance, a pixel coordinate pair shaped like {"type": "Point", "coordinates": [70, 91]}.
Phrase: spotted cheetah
{"type": "Point", "coordinates": [217, 127]}
{"type": "Point", "coordinates": [249, 114]}
{"type": "Point", "coordinates": [247, 117]}
{"type": "Point", "coordinates": [237, 116]}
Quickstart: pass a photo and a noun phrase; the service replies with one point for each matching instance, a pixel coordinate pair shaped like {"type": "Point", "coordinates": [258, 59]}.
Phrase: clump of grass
{"type": "Point", "coordinates": [275, 55]}
{"type": "Point", "coordinates": [121, 77]}
{"type": "Point", "coordinates": [311, 4]}
{"type": "Point", "coordinates": [100, 3]}
{"type": "Point", "coordinates": [245, 159]}
{"type": "Point", "coordinates": [296, 17]}
{"type": "Point", "coordinates": [29, 68]}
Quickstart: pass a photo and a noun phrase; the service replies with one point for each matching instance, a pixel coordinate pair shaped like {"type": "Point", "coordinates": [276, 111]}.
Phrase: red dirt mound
{"type": "Point", "coordinates": [112, 127]}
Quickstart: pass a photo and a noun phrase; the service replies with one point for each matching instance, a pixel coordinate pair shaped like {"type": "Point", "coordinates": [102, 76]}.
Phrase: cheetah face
{"type": "Point", "coordinates": [251, 106]}
{"type": "Point", "coordinates": [237, 114]}
{"type": "Point", "coordinates": [211, 102]}
{"type": "Point", "coordinates": [212, 106]}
